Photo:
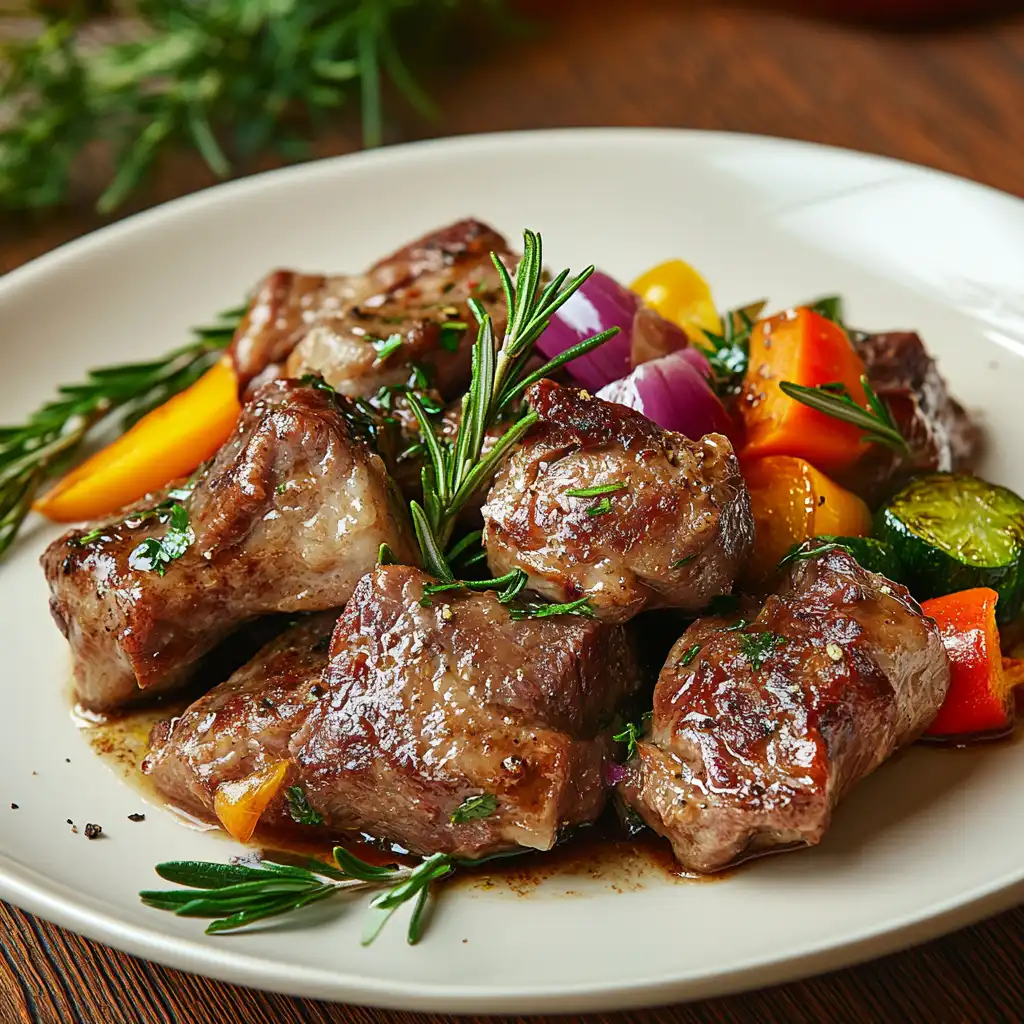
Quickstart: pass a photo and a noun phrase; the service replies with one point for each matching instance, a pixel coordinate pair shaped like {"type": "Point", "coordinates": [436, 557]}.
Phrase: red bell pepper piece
{"type": "Point", "coordinates": [979, 704]}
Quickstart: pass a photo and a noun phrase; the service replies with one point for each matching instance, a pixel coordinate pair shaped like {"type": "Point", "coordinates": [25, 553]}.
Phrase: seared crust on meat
{"type": "Point", "coordinates": [427, 706]}
{"type": "Point", "coordinates": [759, 731]}
{"type": "Point", "coordinates": [287, 517]}
{"type": "Point", "coordinates": [332, 326]}
{"type": "Point", "coordinates": [244, 724]}
{"type": "Point", "coordinates": [675, 533]}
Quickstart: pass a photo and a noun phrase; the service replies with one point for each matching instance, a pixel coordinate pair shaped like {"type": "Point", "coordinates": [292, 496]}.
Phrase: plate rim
{"type": "Point", "coordinates": [19, 888]}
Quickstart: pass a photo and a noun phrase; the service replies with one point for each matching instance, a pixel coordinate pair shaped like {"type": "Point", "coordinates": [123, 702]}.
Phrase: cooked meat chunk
{"type": "Point", "coordinates": [287, 517]}
{"type": "Point", "coordinates": [336, 326]}
{"type": "Point", "coordinates": [671, 531]}
{"type": "Point", "coordinates": [243, 725]}
{"type": "Point", "coordinates": [940, 433]}
{"type": "Point", "coordinates": [419, 710]}
{"type": "Point", "coordinates": [428, 707]}
{"type": "Point", "coordinates": [759, 730]}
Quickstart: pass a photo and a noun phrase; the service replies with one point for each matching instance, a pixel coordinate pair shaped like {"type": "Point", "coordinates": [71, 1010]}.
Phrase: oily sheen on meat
{"type": "Point", "coordinates": [287, 517]}
{"type": "Point", "coordinates": [759, 730]}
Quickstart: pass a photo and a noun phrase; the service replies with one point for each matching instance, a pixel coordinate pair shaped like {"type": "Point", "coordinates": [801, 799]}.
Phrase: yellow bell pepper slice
{"type": "Point", "coordinates": [680, 294]}
{"type": "Point", "coordinates": [240, 804]}
{"type": "Point", "coordinates": [166, 444]}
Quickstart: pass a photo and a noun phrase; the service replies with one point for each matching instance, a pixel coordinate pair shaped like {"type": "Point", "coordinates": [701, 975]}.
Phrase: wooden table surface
{"type": "Point", "coordinates": [952, 99]}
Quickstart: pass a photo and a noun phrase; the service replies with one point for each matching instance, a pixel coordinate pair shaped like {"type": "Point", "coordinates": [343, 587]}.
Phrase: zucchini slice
{"type": "Point", "coordinates": [951, 532]}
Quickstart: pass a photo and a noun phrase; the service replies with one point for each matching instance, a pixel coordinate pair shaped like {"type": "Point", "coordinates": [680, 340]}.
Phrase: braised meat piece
{"type": "Point", "coordinates": [759, 730]}
{"type": "Point", "coordinates": [347, 328]}
{"type": "Point", "coordinates": [243, 725]}
{"type": "Point", "coordinates": [941, 435]}
{"type": "Point", "coordinates": [287, 517]}
{"type": "Point", "coordinates": [672, 530]}
{"type": "Point", "coordinates": [428, 707]}
{"type": "Point", "coordinates": [423, 706]}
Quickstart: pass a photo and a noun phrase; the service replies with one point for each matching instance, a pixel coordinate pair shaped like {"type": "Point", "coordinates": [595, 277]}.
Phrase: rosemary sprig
{"type": "Point", "coordinates": [835, 400]}
{"type": "Point", "coordinates": [456, 468]}
{"type": "Point", "coordinates": [509, 586]}
{"type": "Point", "coordinates": [532, 610]}
{"type": "Point", "coordinates": [236, 895]}
{"type": "Point", "coordinates": [48, 440]}
{"type": "Point", "coordinates": [229, 78]}
{"type": "Point", "coordinates": [729, 352]}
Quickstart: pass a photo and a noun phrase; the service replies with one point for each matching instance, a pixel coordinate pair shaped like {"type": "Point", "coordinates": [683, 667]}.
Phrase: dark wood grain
{"type": "Point", "coordinates": [952, 99]}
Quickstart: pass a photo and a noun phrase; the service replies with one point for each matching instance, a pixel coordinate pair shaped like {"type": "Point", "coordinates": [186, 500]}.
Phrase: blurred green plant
{"type": "Point", "coordinates": [233, 78]}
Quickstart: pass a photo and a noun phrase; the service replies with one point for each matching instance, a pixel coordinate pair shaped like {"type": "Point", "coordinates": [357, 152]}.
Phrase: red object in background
{"type": "Point", "coordinates": [979, 704]}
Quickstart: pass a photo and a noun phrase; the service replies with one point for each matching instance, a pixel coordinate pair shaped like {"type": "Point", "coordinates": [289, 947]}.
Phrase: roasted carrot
{"type": "Point", "coordinates": [805, 348]}
{"type": "Point", "coordinates": [166, 444]}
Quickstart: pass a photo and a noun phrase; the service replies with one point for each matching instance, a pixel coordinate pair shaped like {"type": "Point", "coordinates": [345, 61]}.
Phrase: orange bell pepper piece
{"type": "Point", "coordinates": [681, 295]}
{"type": "Point", "coordinates": [805, 348]}
{"type": "Point", "coordinates": [979, 703]}
{"type": "Point", "coordinates": [792, 501]}
{"type": "Point", "coordinates": [165, 444]}
{"type": "Point", "coordinates": [240, 804]}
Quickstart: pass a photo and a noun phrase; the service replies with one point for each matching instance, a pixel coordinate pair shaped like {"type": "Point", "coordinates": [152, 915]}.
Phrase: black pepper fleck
{"type": "Point", "coordinates": [70, 822]}
{"type": "Point", "coordinates": [14, 807]}
{"type": "Point", "coordinates": [136, 817]}
{"type": "Point", "coordinates": [93, 831]}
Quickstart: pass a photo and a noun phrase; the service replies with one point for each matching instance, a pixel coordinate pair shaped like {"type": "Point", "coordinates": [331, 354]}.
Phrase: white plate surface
{"type": "Point", "coordinates": [930, 842]}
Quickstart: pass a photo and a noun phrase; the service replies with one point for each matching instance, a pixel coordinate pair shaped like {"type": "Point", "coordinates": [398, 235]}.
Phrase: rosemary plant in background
{"type": "Point", "coordinates": [231, 78]}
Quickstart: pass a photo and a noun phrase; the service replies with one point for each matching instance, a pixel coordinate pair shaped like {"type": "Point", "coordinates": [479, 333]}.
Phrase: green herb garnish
{"type": "Point", "coordinates": [689, 654]}
{"type": "Point", "coordinates": [385, 347]}
{"type": "Point", "coordinates": [457, 468]}
{"type": "Point", "coordinates": [545, 611]}
{"type": "Point", "coordinates": [510, 585]}
{"type": "Point", "coordinates": [835, 400]}
{"type": "Point", "coordinates": [154, 555]}
{"type": "Point", "coordinates": [48, 441]}
{"type": "Point", "coordinates": [236, 895]}
{"type": "Point", "coordinates": [758, 647]}
{"type": "Point", "coordinates": [473, 807]}
{"type": "Point", "coordinates": [298, 805]}
{"type": "Point", "coordinates": [601, 508]}
{"type": "Point", "coordinates": [597, 491]}
{"type": "Point", "coordinates": [630, 734]}
{"type": "Point", "coordinates": [160, 511]}
{"type": "Point", "coordinates": [830, 307]}
{"type": "Point", "coordinates": [680, 562]}
{"type": "Point", "coordinates": [451, 335]}
{"type": "Point", "coordinates": [729, 352]}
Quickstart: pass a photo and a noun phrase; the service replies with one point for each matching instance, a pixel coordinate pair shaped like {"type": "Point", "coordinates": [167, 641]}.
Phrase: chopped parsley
{"type": "Point", "coordinates": [758, 647]}
{"type": "Point", "coordinates": [629, 735]}
{"type": "Point", "coordinates": [299, 808]}
{"type": "Point", "coordinates": [473, 807]}
{"type": "Point", "coordinates": [159, 511]}
{"type": "Point", "coordinates": [154, 555]}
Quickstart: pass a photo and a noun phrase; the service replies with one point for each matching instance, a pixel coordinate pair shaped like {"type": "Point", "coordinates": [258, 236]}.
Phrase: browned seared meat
{"type": "Point", "coordinates": [243, 725]}
{"type": "Point", "coordinates": [940, 433]}
{"type": "Point", "coordinates": [419, 710]}
{"type": "Point", "coordinates": [759, 730]}
{"type": "Point", "coordinates": [430, 706]}
{"type": "Point", "coordinates": [673, 533]}
{"type": "Point", "coordinates": [334, 326]}
{"type": "Point", "coordinates": [287, 517]}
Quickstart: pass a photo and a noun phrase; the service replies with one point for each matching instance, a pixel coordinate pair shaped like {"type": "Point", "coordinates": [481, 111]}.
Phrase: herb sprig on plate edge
{"type": "Point", "coordinates": [47, 442]}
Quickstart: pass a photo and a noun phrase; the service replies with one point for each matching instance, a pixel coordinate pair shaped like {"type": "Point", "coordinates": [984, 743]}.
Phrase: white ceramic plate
{"type": "Point", "coordinates": [930, 842]}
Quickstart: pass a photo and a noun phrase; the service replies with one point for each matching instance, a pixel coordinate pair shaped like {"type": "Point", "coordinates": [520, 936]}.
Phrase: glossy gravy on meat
{"type": "Point", "coordinates": [599, 853]}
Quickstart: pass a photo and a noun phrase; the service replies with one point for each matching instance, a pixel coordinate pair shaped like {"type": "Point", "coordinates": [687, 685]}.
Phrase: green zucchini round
{"type": "Point", "coordinates": [952, 532]}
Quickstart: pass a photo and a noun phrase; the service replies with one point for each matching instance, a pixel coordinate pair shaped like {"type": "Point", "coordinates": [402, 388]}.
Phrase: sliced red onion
{"type": "Point", "coordinates": [600, 303]}
{"type": "Point", "coordinates": [614, 773]}
{"type": "Point", "coordinates": [674, 392]}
